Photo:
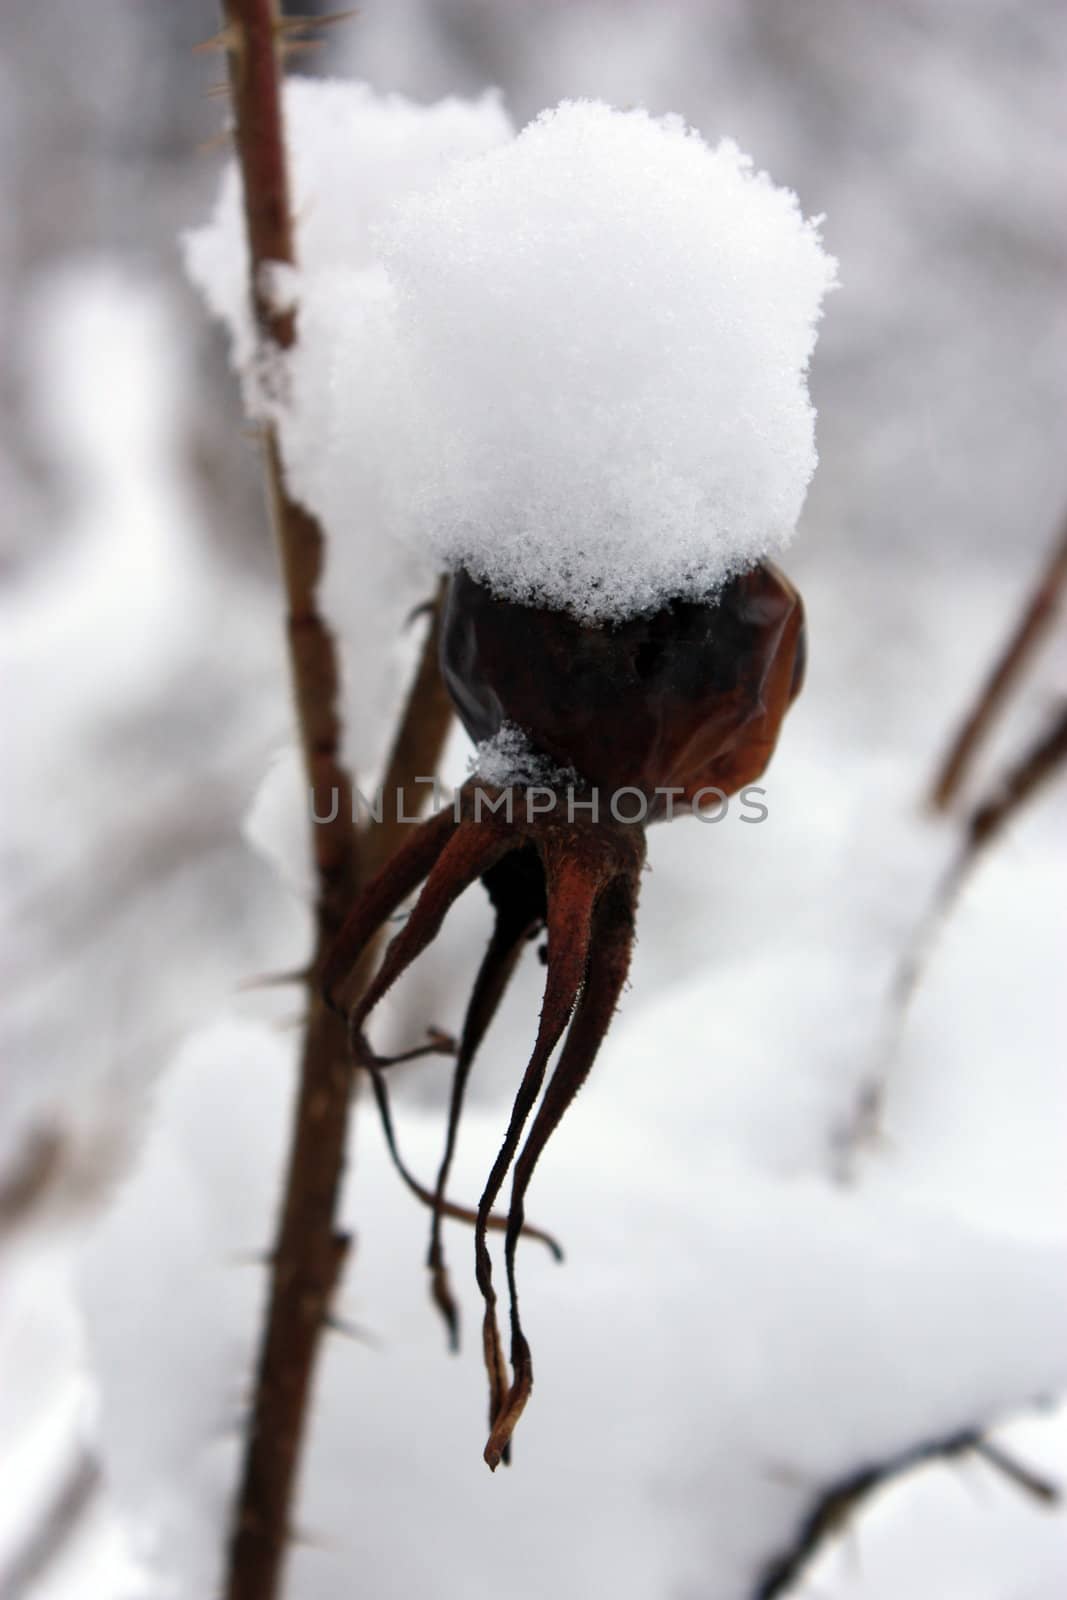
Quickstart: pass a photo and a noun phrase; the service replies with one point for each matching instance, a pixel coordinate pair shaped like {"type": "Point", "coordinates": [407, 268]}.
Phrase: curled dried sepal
{"type": "Point", "coordinates": [609, 943]}
{"type": "Point", "coordinates": [579, 879]}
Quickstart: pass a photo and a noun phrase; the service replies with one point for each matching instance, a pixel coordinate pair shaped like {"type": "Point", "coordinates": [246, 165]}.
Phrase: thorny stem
{"type": "Point", "coordinates": [309, 1250]}
{"type": "Point", "coordinates": [1031, 627]}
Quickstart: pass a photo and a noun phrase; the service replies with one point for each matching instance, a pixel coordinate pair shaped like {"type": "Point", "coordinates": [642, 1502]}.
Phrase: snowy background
{"type": "Point", "coordinates": [733, 1330]}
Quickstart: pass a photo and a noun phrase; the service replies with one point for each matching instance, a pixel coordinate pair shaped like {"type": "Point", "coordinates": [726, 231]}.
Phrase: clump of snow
{"type": "Point", "coordinates": [607, 325]}
{"type": "Point", "coordinates": [572, 361]}
{"type": "Point", "coordinates": [509, 758]}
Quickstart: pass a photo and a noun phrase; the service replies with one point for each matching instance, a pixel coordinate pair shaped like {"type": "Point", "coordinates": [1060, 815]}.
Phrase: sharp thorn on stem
{"type": "Point", "coordinates": [300, 24]}
{"type": "Point", "coordinates": [252, 1258]}
{"type": "Point", "coordinates": [351, 1330]}
{"type": "Point", "coordinates": [227, 38]}
{"type": "Point", "coordinates": [275, 980]}
{"type": "Point", "coordinates": [208, 147]}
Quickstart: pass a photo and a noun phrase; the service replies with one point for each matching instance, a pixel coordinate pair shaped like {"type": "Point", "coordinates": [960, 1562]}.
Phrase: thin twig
{"type": "Point", "coordinates": [1037, 766]}
{"type": "Point", "coordinates": [1040, 763]}
{"type": "Point", "coordinates": [53, 1536]}
{"type": "Point", "coordinates": [1033, 624]}
{"type": "Point", "coordinates": [836, 1507]}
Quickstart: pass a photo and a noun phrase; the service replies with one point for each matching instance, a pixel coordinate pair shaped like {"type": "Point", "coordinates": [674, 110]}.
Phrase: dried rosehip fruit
{"type": "Point", "coordinates": [689, 699]}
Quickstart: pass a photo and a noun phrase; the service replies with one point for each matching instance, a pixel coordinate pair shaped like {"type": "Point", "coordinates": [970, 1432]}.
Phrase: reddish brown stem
{"type": "Point", "coordinates": [309, 1251]}
{"type": "Point", "coordinates": [417, 749]}
{"type": "Point", "coordinates": [1037, 765]}
{"type": "Point", "coordinates": [1031, 628]}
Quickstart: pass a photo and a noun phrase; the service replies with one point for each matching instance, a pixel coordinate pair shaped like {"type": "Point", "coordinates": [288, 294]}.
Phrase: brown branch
{"type": "Point", "coordinates": [1031, 628]}
{"type": "Point", "coordinates": [305, 1267]}
{"type": "Point", "coordinates": [1039, 764]}
{"type": "Point", "coordinates": [836, 1507]}
{"type": "Point", "coordinates": [1035, 768]}
{"type": "Point", "coordinates": [309, 1251]}
{"type": "Point", "coordinates": [417, 749]}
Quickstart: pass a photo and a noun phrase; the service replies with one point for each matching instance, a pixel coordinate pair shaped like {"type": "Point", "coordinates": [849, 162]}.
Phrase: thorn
{"type": "Point", "coordinates": [292, 24]}
{"type": "Point", "coordinates": [251, 1258]}
{"type": "Point", "coordinates": [304, 1539]}
{"type": "Point", "coordinates": [351, 1330]}
{"type": "Point", "coordinates": [208, 147]}
{"type": "Point", "coordinates": [274, 980]}
{"type": "Point", "coordinates": [227, 38]}
{"type": "Point", "coordinates": [1018, 1473]}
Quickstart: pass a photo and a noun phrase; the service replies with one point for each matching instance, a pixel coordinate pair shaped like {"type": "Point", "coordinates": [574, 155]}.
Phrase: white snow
{"type": "Point", "coordinates": [574, 364]}
{"type": "Point", "coordinates": [609, 325]}
{"type": "Point", "coordinates": [721, 1341]}
{"type": "Point", "coordinates": [509, 757]}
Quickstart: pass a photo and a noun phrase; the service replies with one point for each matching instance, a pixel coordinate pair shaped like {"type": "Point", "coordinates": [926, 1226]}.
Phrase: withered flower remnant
{"type": "Point", "coordinates": [689, 698]}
